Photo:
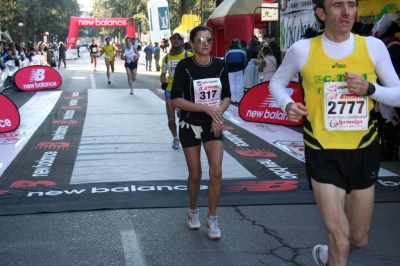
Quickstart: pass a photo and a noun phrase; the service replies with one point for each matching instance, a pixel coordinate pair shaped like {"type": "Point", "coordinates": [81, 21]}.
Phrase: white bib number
{"type": "Point", "coordinates": [172, 67]}
{"type": "Point", "coordinates": [207, 91]}
{"type": "Point", "coordinates": [344, 110]}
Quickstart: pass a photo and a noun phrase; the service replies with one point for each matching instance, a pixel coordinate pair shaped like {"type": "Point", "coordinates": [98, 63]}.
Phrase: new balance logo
{"type": "Point", "coordinates": [37, 75]}
{"type": "Point", "coordinates": [337, 65]}
{"type": "Point", "coordinates": [373, 175]}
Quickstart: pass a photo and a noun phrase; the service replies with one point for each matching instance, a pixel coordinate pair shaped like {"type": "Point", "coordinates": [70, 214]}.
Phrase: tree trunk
{"type": "Point", "coordinates": [185, 7]}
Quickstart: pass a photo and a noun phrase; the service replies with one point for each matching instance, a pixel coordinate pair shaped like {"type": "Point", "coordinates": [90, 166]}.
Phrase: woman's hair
{"type": "Point", "coordinates": [195, 30]}
{"type": "Point", "coordinates": [266, 50]}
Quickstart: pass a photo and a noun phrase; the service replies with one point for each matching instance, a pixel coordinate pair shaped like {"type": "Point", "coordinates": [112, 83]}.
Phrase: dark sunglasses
{"type": "Point", "coordinates": [204, 40]}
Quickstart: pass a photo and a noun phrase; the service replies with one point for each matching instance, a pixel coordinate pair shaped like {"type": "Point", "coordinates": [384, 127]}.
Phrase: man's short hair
{"type": "Point", "coordinates": [235, 41]}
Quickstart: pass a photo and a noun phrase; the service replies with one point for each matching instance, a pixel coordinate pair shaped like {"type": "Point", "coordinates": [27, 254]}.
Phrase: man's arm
{"type": "Point", "coordinates": [123, 54]}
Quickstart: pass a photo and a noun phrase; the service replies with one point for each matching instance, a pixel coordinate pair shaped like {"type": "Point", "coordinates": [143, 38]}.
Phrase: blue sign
{"type": "Point", "coordinates": [163, 18]}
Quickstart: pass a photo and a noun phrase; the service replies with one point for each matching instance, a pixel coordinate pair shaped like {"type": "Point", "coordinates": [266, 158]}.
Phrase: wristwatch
{"type": "Point", "coordinates": [371, 89]}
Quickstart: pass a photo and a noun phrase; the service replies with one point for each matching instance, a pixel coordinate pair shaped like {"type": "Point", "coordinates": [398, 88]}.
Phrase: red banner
{"type": "Point", "coordinates": [9, 115]}
{"type": "Point", "coordinates": [34, 78]}
{"type": "Point", "coordinates": [257, 105]}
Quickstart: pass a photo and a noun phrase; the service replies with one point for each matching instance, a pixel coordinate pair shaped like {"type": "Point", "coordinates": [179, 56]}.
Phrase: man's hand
{"type": "Point", "coordinates": [356, 83]}
{"type": "Point", "coordinates": [164, 86]}
{"type": "Point", "coordinates": [295, 111]}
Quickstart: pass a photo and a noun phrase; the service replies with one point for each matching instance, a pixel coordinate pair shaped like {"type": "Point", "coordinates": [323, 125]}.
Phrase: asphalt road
{"type": "Point", "coordinates": [251, 235]}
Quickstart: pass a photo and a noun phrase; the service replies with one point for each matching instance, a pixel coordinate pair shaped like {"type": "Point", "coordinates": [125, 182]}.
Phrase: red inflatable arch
{"type": "Point", "coordinates": [77, 22]}
{"type": "Point", "coordinates": [234, 19]}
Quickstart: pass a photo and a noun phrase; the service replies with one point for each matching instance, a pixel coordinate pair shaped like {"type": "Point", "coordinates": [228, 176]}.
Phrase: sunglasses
{"type": "Point", "coordinates": [204, 40]}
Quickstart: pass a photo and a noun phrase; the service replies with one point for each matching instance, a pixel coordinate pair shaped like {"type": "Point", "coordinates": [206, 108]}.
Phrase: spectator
{"type": "Point", "coordinates": [268, 65]}
{"type": "Point", "coordinates": [61, 54]}
{"type": "Point", "coordinates": [78, 47]}
{"type": "Point", "coordinates": [276, 52]}
{"type": "Point", "coordinates": [166, 45]}
{"type": "Point", "coordinates": [253, 48]}
{"type": "Point", "coordinates": [243, 45]}
{"type": "Point", "coordinates": [157, 56]}
{"type": "Point", "coordinates": [236, 62]}
{"type": "Point", "coordinates": [149, 51]}
{"type": "Point", "coordinates": [388, 117]}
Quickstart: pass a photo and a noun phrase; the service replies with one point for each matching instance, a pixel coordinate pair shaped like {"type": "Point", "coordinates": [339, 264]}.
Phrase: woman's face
{"type": "Point", "coordinates": [202, 43]}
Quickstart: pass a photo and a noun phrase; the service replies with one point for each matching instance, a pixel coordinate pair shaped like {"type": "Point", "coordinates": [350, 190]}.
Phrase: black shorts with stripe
{"type": "Point", "coordinates": [347, 169]}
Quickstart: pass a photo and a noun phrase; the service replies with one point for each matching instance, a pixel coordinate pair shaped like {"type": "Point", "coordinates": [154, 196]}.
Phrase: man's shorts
{"type": "Point", "coordinates": [131, 66]}
{"type": "Point", "coordinates": [93, 55]}
{"type": "Point", "coordinates": [346, 169]}
{"type": "Point", "coordinates": [188, 138]}
{"type": "Point", "coordinates": [167, 94]}
{"type": "Point", "coordinates": [110, 62]}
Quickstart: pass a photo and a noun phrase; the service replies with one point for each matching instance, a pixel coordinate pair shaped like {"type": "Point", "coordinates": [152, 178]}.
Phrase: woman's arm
{"type": "Point", "coordinates": [262, 65]}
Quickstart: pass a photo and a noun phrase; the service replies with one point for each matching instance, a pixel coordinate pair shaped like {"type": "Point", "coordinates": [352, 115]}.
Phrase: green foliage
{"type": "Point", "coordinates": [38, 16]}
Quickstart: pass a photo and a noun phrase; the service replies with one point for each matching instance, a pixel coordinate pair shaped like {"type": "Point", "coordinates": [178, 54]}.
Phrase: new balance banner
{"type": "Point", "coordinates": [257, 105]}
{"type": "Point", "coordinates": [9, 115]}
{"type": "Point", "coordinates": [34, 78]}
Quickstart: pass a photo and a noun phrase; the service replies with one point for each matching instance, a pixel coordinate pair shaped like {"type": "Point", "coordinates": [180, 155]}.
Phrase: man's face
{"type": "Point", "coordinates": [108, 40]}
{"type": "Point", "coordinates": [93, 41]}
{"type": "Point", "coordinates": [339, 16]}
{"type": "Point", "coordinates": [176, 41]}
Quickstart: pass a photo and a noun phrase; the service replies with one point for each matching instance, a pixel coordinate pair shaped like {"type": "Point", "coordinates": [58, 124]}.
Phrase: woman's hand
{"type": "Point", "coordinates": [215, 113]}
{"type": "Point", "coordinates": [217, 128]}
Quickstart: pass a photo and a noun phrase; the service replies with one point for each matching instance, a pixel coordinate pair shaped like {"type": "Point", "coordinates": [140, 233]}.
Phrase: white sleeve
{"type": "Point", "coordinates": [389, 92]}
{"type": "Point", "coordinates": [295, 59]}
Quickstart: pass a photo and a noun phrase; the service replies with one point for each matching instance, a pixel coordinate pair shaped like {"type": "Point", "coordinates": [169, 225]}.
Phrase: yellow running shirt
{"type": "Point", "coordinates": [172, 62]}
{"type": "Point", "coordinates": [109, 52]}
{"type": "Point", "coordinates": [337, 120]}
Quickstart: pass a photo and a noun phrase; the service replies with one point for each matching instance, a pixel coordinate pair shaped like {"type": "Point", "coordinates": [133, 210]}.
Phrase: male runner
{"type": "Point", "coordinates": [340, 129]}
{"type": "Point", "coordinates": [93, 50]}
{"type": "Point", "coordinates": [109, 51]}
{"type": "Point", "coordinates": [168, 64]}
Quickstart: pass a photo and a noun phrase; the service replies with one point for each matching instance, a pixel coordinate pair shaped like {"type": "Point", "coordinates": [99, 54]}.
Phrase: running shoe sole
{"type": "Point", "coordinates": [316, 252]}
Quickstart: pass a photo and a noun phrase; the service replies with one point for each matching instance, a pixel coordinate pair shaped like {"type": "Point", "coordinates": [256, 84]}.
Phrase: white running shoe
{"type": "Point", "coordinates": [320, 255]}
{"type": "Point", "coordinates": [193, 222]}
{"type": "Point", "coordinates": [131, 92]}
{"type": "Point", "coordinates": [175, 144]}
{"type": "Point", "coordinates": [213, 227]}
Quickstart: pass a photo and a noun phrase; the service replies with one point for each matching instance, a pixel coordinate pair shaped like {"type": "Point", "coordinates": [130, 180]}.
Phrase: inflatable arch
{"type": "Point", "coordinates": [77, 22]}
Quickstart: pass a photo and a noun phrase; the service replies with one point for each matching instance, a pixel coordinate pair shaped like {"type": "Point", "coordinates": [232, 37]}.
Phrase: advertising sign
{"type": "Point", "coordinates": [290, 6]}
{"type": "Point", "coordinates": [257, 105]}
{"type": "Point", "coordinates": [294, 25]}
{"type": "Point", "coordinates": [159, 20]}
{"type": "Point", "coordinates": [34, 78]}
{"type": "Point", "coordinates": [9, 115]}
{"type": "Point", "coordinates": [269, 12]}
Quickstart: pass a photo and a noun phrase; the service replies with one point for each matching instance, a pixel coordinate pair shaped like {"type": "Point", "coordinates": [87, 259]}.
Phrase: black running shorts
{"type": "Point", "coordinates": [347, 169]}
{"type": "Point", "coordinates": [188, 139]}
